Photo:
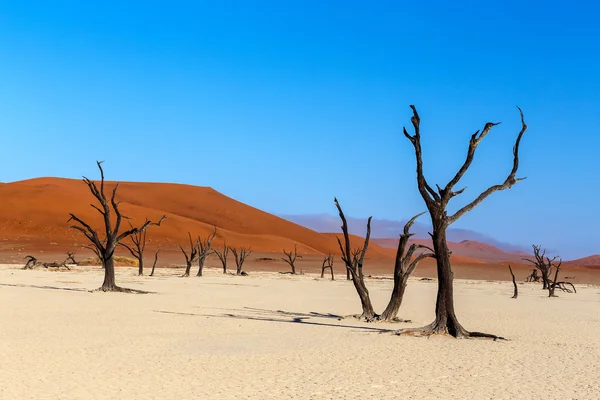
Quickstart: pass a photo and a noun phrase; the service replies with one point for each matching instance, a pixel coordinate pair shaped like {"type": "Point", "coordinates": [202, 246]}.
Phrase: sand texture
{"type": "Point", "coordinates": [273, 336]}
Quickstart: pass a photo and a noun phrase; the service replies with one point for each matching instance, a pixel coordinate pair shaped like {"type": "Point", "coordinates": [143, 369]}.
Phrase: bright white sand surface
{"type": "Point", "coordinates": [227, 337]}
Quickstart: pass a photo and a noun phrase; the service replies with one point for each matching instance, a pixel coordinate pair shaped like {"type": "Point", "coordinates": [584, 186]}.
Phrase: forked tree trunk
{"type": "Point", "coordinates": [445, 318]}
{"type": "Point", "coordinates": [201, 261]}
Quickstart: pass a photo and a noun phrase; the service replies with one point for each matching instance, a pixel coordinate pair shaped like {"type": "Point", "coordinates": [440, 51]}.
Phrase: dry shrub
{"type": "Point", "coordinates": [120, 261]}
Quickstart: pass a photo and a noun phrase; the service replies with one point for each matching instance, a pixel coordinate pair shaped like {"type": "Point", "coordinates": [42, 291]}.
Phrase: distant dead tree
{"type": "Point", "coordinates": [543, 264]}
{"type": "Point", "coordinates": [327, 263]}
{"type": "Point", "coordinates": [32, 262]}
{"type": "Point", "coordinates": [71, 257]}
{"type": "Point", "coordinates": [516, 293]}
{"type": "Point", "coordinates": [223, 256]}
{"type": "Point", "coordinates": [105, 249]}
{"type": "Point", "coordinates": [533, 277]}
{"type": "Point", "coordinates": [191, 257]}
{"type": "Point", "coordinates": [155, 260]}
{"type": "Point", "coordinates": [354, 264]}
{"type": "Point", "coordinates": [204, 250]}
{"type": "Point", "coordinates": [240, 256]}
{"type": "Point", "coordinates": [446, 321]}
{"type": "Point", "coordinates": [137, 247]}
{"type": "Point", "coordinates": [552, 284]}
{"type": "Point", "coordinates": [290, 258]}
{"type": "Point", "coordinates": [404, 266]}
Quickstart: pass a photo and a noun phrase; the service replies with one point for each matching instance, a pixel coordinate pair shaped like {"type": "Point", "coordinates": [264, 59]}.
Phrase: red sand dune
{"type": "Point", "coordinates": [589, 262]}
{"type": "Point", "coordinates": [34, 213]}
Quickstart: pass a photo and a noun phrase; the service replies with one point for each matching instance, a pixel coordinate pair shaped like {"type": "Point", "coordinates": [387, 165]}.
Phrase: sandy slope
{"type": "Point", "coordinates": [271, 336]}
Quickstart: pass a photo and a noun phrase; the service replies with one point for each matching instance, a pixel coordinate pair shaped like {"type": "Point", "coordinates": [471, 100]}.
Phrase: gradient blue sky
{"type": "Point", "coordinates": [284, 105]}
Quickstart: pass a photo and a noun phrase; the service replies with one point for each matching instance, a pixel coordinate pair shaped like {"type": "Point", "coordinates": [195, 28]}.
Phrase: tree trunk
{"type": "Point", "coordinates": [391, 311]}
{"type": "Point", "coordinates": [188, 268]}
{"type": "Point", "coordinates": [445, 318]}
{"type": "Point", "coordinates": [140, 266]}
{"type": "Point", "coordinates": [348, 277]}
{"type": "Point", "coordinates": [109, 284]}
{"type": "Point", "coordinates": [154, 264]}
{"type": "Point", "coordinates": [200, 266]}
{"type": "Point", "coordinates": [224, 268]}
{"type": "Point", "coordinates": [368, 313]}
{"type": "Point", "coordinates": [516, 293]}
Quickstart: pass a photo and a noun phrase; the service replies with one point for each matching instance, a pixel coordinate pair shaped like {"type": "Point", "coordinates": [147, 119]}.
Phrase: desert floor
{"type": "Point", "coordinates": [278, 336]}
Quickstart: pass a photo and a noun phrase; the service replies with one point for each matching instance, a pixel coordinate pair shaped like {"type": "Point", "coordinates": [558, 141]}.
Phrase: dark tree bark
{"type": "Point", "coordinates": [533, 277]}
{"type": "Point", "coordinates": [204, 250]}
{"type": "Point", "coordinates": [240, 256]}
{"type": "Point", "coordinates": [446, 321]}
{"type": "Point", "coordinates": [71, 257]}
{"type": "Point", "coordinates": [32, 262]}
{"type": "Point", "coordinates": [191, 257]}
{"type": "Point", "coordinates": [223, 256]}
{"type": "Point", "coordinates": [96, 252]}
{"type": "Point", "coordinates": [516, 293]}
{"type": "Point", "coordinates": [354, 264]}
{"type": "Point", "coordinates": [327, 263]}
{"type": "Point", "coordinates": [154, 264]}
{"type": "Point", "coordinates": [137, 247]}
{"type": "Point", "coordinates": [552, 284]}
{"type": "Point", "coordinates": [290, 258]}
{"type": "Point", "coordinates": [404, 266]}
{"type": "Point", "coordinates": [106, 248]}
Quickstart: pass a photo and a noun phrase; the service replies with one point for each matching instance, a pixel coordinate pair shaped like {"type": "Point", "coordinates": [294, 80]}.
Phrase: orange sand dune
{"type": "Point", "coordinates": [34, 213]}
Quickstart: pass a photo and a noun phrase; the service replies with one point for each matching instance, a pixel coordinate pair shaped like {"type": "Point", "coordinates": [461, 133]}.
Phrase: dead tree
{"type": "Point", "coordinates": [154, 264]}
{"type": "Point", "coordinates": [240, 256]}
{"type": "Point", "coordinates": [32, 262]}
{"type": "Point", "coordinates": [137, 247]}
{"type": "Point", "coordinates": [204, 250]}
{"type": "Point", "coordinates": [327, 263]}
{"type": "Point", "coordinates": [290, 258]}
{"type": "Point", "coordinates": [96, 251]}
{"type": "Point", "coordinates": [543, 263]}
{"type": "Point", "coordinates": [223, 256]}
{"type": "Point", "coordinates": [71, 257]}
{"type": "Point", "coordinates": [446, 321]}
{"type": "Point", "coordinates": [404, 266]}
{"type": "Point", "coordinates": [191, 257]}
{"type": "Point", "coordinates": [354, 264]}
{"type": "Point", "coordinates": [106, 248]}
{"type": "Point", "coordinates": [516, 293]}
{"type": "Point", "coordinates": [533, 277]}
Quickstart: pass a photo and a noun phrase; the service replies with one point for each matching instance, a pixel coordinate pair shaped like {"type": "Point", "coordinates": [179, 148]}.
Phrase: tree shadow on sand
{"type": "Point", "coordinates": [258, 314]}
{"type": "Point", "coordinates": [45, 287]}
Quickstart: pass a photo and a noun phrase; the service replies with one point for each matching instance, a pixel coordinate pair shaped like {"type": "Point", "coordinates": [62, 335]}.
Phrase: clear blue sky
{"type": "Point", "coordinates": [284, 105]}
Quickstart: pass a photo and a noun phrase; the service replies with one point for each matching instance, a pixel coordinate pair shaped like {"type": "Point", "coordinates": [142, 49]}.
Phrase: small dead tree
{"type": "Point", "coordinates": [191, 257]}
{"type": "Point", "coordinates": [137, 247]}
{"type": "Point", "coordinates": [327, 263]}
{"type": "Point", "coordinates": [240, 256]}
{"type": "Point", "coordinates": [290, 258]}
{"type": "Point", "coordinates": [106, 248]}
{"type": "Point", "coordinates": [533, 277]}
{"type": "Point", "coordinates": [32, 262]}
{"type": "Point", "coordinates": [155, 260]}
{"type": "Point", "coordinates": [552, 284]}
{"type": "Point", "coordinates": [516, 293]}
{"type": "Point", "coordinates": [543, 263]}
{"type": "Point", "coordinates": [354, 264]}
{"type": "Point", "coordinates": [71, 257]}
{"type": "Point", "coordinates": [404, 266]}
{"type": "Point", "coordinates": [446, 321]}
{"type": "Point", "coordinates": [223, 256]}
{"type": "Point", "coordinates": [204, 250]}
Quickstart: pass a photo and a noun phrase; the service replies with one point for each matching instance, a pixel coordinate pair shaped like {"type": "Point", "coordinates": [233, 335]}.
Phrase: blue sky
{"type": "Point", "coordinates": [284, 105]}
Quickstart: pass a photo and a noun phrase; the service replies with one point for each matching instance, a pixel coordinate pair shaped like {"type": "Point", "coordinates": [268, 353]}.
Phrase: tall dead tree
{"type": "Point", "coordinates": [543, 264]}
{"type": "Point", "coordinates": [223, 256]}
{"type": "Point", "coordinates": [240, 256]}
{"type": "Point", "coordinates": [516, 292]}
{"type": "Point", "coordinates": [106, 248]}
{"type": "Point", "coordinates": [437, 201]}
{"type": "Point", "coordinates": [191, 257]}
{"type": "Point", "coordinates": [204, 250]}
{"type": "Point", "coordinates": [137, 247]}
{"type": "Point", "coordinates": [154, 264]}
{"type": "Point", "coordinates": [290, 258]}
{"type": "Point", "coordinates": [327, 263]}
{"type": "Point", "coordinates": [404, 266]}
{"type": "Point", "coordinates": [354, 264]}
